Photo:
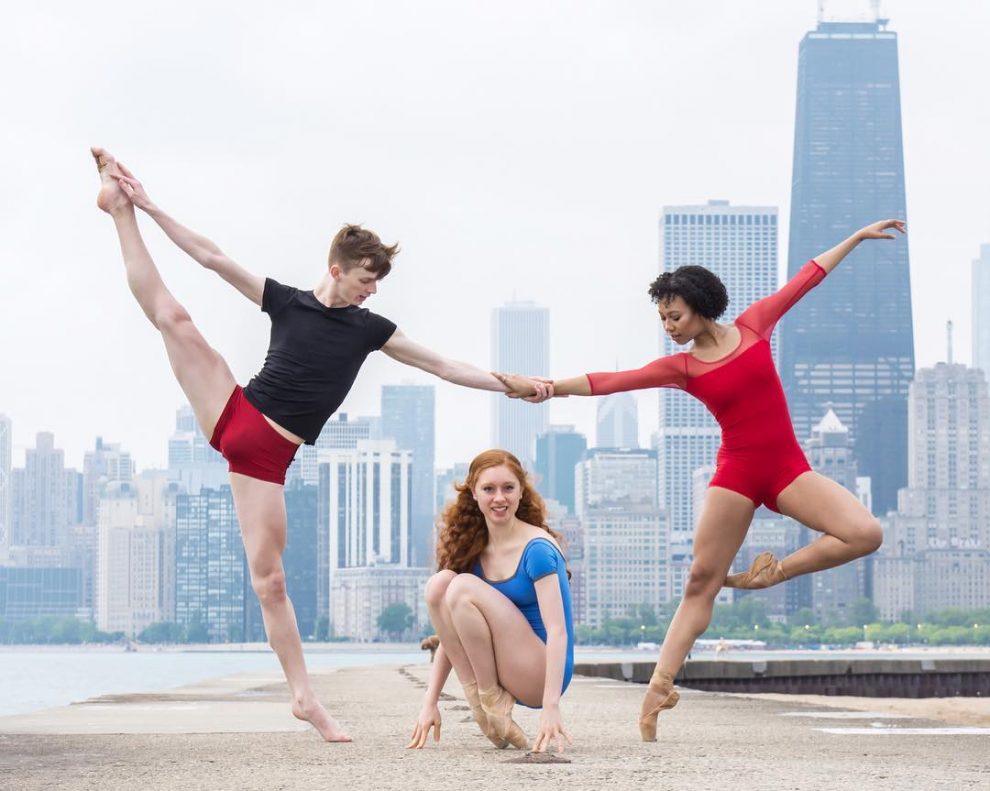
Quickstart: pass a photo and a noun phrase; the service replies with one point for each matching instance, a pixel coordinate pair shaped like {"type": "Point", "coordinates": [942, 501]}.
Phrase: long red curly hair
{"type": "Point", "coordinates": [464, 535]}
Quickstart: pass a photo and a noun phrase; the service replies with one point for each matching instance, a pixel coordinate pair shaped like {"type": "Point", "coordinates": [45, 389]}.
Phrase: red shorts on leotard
{"type": "Point", "coordinates": [249, 443]}
{"type": "Point", "coordinates": [760, 476]}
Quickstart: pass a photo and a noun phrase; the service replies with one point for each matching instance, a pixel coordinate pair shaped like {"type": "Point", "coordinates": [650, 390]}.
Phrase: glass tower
{"type": "Point", "coordinates": [848, 344]}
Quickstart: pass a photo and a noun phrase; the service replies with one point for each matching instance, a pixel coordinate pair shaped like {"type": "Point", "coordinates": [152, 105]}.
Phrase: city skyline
{"type": "Point", "coordinates": [526, 189]}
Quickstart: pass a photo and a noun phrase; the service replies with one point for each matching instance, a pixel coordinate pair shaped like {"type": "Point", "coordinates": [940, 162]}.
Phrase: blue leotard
{"type": "Point", "coordinates": [540, 557]}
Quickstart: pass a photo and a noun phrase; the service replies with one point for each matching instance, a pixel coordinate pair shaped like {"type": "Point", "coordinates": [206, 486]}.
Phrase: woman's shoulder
{"type": "Point", "coordinates": [538, 537]}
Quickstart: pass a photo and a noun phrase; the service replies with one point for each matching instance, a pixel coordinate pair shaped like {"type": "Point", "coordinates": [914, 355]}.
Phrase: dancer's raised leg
{"type": "Point", "coordinates": [820, 503]}
{"type": "Point", "coordinates": [724, 520]}
{"type": "Point", "coordinates": [201, 372]}
{"type": "Point", "coordinates": [260, 509]}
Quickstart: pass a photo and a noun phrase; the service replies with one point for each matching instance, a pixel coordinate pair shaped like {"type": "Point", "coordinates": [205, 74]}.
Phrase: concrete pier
{"type": "Point", "coordinates": [237, 733]}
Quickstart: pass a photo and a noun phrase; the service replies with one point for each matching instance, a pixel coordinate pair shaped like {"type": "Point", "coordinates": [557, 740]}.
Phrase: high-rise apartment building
{"type": "Point", "coordinates": [106, 464]}
{"type": "Point", "coordinates": [39, 496]}
{"type": "Point", "coordinates": [624, 535]}
{"type": "Point", "coordinates": [739, 244]}
{"type": "Point", "coordinates": [981, 310]}
{"type": "Point", "coordinates": [936, 549]}
{"type": "Point", "coordinates": [6, 446]}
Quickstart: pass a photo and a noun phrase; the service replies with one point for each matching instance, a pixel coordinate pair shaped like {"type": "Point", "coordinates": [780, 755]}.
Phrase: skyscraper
{"type": "Point", "coordinates": [212, 583]}
{"type": "Point", "coordinates": [103, 465]}
{"type": "Point", "coordinates": [849, 343]}
{"type": "Point", "coordinates": [833, 591]}
{"type": "Point", "coordinates": [520, 344]}
{"type": "Point", "coordinates": [739, 244]}
{"type": "Point", "coordinates": [6, 443]}
{"type": "Point", "coordinates": [557, 452]}
{"type": "Point", "coordinates": [936, 551]}
{"type": "Point", "coordinates": [981, 311]}
{"type": "Point", "coordinates": [39, 499]}
{"type": "Point", "coordinates": [300, 557]}
{"type": "Point", "coordinates": [409, 417]}
{"type": "Point", "coordinates": [618, 421]}
{"type": "Point", "coordinates": [623, 534]}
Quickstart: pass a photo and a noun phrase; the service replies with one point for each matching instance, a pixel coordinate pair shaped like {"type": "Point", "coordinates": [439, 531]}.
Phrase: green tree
{"type": "Point", "coordinates": [863, 611]}
{"type": "Point", "coordinates": [395, 619]}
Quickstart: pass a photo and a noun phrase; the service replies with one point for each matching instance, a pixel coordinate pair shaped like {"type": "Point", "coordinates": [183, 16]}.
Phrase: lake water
{"type": "Point", "coordinates": [32, 679]}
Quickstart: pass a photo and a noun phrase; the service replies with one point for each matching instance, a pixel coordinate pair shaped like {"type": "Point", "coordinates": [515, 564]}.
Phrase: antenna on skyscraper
{"type": "Point", "coordinates": [948, 332]}
{"type": "Point", "coordinates": [821, 10]}
{"type": "Point", "coordinates": [880, 20]}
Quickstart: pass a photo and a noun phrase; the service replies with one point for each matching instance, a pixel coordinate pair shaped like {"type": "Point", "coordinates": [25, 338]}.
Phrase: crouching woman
{"type": "Point", "coordinates": [501, 605]}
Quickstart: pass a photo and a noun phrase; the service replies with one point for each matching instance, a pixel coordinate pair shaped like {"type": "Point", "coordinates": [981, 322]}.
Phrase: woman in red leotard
{"type": "Point", "coordinates": [730, 369]}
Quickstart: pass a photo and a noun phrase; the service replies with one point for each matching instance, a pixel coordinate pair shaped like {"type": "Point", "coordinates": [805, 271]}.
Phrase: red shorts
{"type": "Point", "coordinates": [249, 443]}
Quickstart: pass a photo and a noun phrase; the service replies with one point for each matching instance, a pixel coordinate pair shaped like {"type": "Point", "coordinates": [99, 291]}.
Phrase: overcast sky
{"type": "Point", "coordinates": [515, 148]}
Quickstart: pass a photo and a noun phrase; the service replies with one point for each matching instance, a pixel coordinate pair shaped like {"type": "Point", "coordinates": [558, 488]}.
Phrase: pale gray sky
{"type": "Point", "coordinates": [514, 149]}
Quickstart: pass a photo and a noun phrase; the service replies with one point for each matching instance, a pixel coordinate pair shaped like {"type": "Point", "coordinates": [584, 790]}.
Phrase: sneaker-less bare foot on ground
{"type": "Point", "coordinates": [765, 572]}
{"type": "Point", "coordinates": [660, 696]}
{"type": "Point", "coordinates": [111, 197]}
{"type": "Point", "coordinates": [312, 711]}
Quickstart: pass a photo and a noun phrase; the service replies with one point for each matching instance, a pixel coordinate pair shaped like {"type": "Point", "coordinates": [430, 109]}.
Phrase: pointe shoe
{"type": "Point", "coordinates": [487, 728]}
{"type": "Point", "coordinates": [765, 571]}
{"type": "Point", "coordinates": [497, 704]}
{"type": "Point", "coordinates": [661, 684]}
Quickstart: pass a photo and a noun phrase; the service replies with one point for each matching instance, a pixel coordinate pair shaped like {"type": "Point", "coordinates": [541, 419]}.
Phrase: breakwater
{"type": "Point", "coordinates": [872, 677]}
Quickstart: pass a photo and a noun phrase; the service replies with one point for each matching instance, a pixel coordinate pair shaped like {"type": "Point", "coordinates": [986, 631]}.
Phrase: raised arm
{"type": "Point", "coordinates": [198, 247]}
{"type": "Point", "coordinates": [830, 259]}
{"type": "Point", "coordinates": [762, 316]}
{"type": "Point", "coordinates": [405, 351]}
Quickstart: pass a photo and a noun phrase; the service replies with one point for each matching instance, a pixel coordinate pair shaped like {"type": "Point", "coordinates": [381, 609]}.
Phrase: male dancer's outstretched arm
{"type": "Point", "coordinates": [398, 347]}
{"type": "Point", "coordinates": [198, 247]}
{"type": "Point", "coordinates": [403, 350]}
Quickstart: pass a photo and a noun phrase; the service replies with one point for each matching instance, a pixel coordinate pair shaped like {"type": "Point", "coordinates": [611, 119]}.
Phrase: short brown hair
{"type": "Point", "coordinates": [356, 246]}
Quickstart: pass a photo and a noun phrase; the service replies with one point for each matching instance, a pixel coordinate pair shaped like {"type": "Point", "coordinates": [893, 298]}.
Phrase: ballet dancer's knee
{"type": "Point", "coordinates": [869, 534]}
{"type": "Point", "coordinates": [436, 587]}
{"type": "Point", "coordinates": [270, 587]}
{"type": "Point", "coordinates": [460, 590]}
{"type": "Point", "coordinates": [702, 582]}
{"type": "Point", "coordinates": [171, 317]}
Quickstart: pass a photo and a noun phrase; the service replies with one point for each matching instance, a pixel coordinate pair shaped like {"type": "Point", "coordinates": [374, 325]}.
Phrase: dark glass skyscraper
{"type": "Point", "coordinates": [557, 453]}
{"type": "Point", "coordinates": [848, 344]}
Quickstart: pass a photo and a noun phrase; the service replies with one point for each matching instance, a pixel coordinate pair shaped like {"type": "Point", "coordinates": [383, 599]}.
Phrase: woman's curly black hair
{"type": "Point", "coordinates": [701, 289]}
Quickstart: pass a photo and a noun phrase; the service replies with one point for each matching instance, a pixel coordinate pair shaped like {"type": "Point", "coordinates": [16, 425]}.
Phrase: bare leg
{"type": "Point", "coordinates": [722, 526]}
{"type": "Point", "coordinates": [443, 622]}
{"type": "Point", "coordinates": [506, 656]}
{"type": "Point", "coordinates": [442, 619]}
{"type": "Point", "coordinates": [260, 509]}
{"type": "Point", "coordinates": [851, 531]}
{"type": "Point", "coordinates": [201, 372]}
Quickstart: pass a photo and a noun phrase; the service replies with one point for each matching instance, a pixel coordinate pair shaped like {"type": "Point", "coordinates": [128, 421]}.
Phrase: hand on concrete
{"type": "Point", "coordinates": [551, 730]}
{"type": "Point", "coordinates": [429, 717]}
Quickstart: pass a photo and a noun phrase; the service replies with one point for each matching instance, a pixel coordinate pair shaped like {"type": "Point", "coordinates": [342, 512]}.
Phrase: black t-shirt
{"type": "Point", "coordinates": [313, 358]}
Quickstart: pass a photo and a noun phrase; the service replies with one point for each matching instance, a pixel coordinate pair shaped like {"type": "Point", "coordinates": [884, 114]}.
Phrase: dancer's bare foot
{"type": "Point", "coordinates": [111, 197]}
{"type": "Point", "coordinates": [312, 711]}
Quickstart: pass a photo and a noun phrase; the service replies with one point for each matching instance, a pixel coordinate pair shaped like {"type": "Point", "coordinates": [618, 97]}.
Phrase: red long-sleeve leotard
{"type": "Point", "coordinates": [759, 455]}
